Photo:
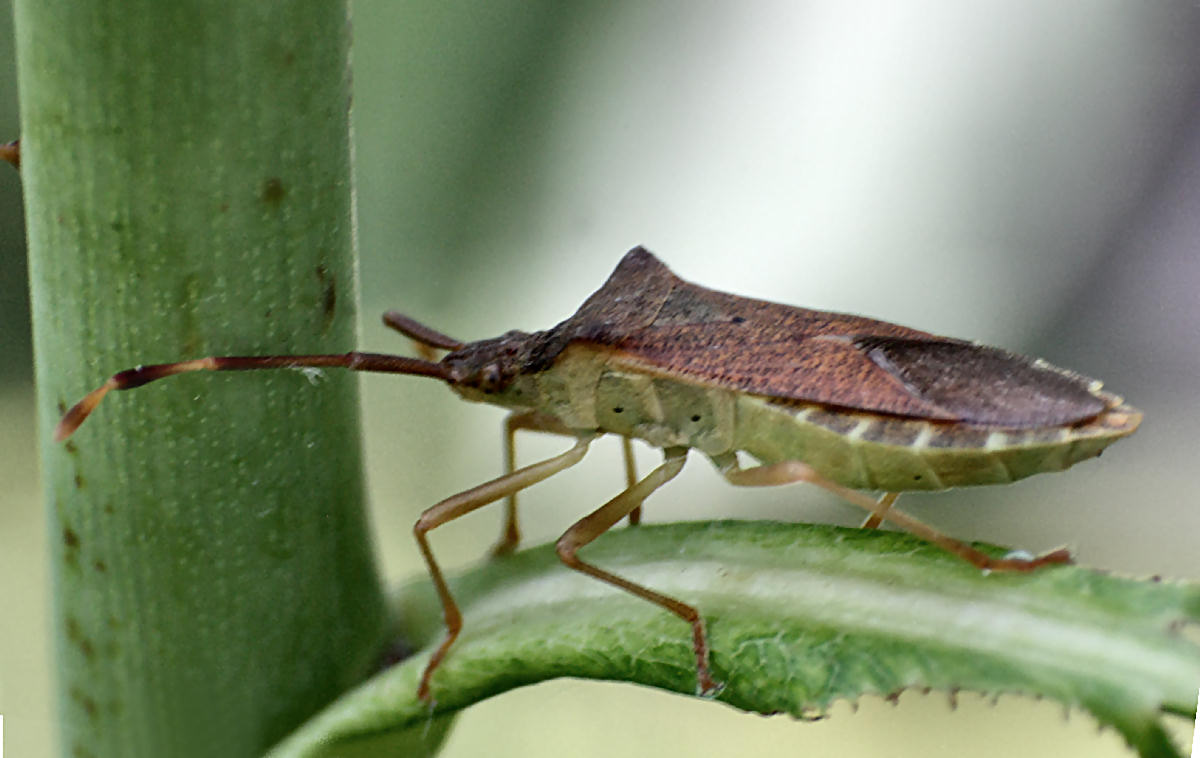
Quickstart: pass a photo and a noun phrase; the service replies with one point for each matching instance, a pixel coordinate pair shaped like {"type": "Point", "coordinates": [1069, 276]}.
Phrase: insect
{"type": "Point", "coordinates": [844, 402]}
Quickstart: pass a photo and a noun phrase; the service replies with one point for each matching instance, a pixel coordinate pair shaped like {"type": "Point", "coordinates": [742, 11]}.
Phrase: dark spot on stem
{"type": "Point", "coordinates": [70, 538]}
{"type": "Point", "coordinates": [80, 640]}
{"type": "Point", "coordinates": [79, 751]}
{"type": "Point", "coordinates": [89, 706]}
{"type": "Point", "coordinates": [328, 296]}
{"type": "Point", "coordinates": [272, 191]}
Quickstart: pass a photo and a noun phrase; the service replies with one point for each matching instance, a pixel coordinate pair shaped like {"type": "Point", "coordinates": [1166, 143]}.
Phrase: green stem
{"type": "Point", "coordinates": [188, 192]}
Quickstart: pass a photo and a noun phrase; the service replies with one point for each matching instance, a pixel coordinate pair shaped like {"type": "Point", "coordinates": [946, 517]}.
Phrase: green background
{"type": "Point", "coordinates": [1016, 173]}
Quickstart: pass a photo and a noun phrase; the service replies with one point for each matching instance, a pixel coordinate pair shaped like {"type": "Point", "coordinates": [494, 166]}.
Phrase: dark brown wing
{"type": "Point", "coordinates": [803, 368]}
{"type": "Point", "coordinates": [986, 385]}
{"type": "Point", "coordinates": [658, 323]}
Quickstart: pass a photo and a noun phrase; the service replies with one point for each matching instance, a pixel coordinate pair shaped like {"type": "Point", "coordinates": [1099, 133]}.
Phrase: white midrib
{"type": "Point", "coordinates": [1003, 631]}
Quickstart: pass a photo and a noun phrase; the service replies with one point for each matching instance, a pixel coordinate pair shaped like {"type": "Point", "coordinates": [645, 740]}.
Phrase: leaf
{"type": "Point", "coordinates": [799, 616]}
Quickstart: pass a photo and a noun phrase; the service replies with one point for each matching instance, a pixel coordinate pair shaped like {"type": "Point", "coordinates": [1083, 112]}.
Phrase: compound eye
{"type": "Point", "coordinates": [489, 378]}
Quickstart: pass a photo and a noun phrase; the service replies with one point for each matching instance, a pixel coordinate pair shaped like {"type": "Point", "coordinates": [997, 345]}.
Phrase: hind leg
{"type": "Point", "coordinates": [789, 472]}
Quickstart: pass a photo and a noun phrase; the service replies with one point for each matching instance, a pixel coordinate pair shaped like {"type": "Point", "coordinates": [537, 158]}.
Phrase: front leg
{"type": "Point", "coordinates": [460, 505]}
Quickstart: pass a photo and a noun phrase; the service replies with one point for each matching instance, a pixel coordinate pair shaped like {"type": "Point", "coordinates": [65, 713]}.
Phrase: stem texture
{"type": "Point", "coordinates": [188, 192]}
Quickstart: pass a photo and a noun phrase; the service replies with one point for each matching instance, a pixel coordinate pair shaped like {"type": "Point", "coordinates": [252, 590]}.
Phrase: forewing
{"type": "Point", "coordinates": [809, 368]}
{"type": "Point", "coordinates": [927, 377]}
{"type": "Point", "coordinates": [986, 385]}
{"type": "Point", "coordinates": [655, 322]}
{"type": "Point", "coordinates": [659, 323]}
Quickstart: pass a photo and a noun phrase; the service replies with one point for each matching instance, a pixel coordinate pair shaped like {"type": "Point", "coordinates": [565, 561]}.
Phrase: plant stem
{"type": "Point", "coordinates": [188, 192]}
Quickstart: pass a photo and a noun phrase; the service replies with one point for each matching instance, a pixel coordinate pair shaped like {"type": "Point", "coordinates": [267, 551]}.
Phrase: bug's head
{"type": "Point", "coordinates": [491, 371]}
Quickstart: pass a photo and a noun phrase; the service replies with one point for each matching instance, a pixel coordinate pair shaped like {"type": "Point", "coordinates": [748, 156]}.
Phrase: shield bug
{"type": "Point", "coordinates": [844, 402]}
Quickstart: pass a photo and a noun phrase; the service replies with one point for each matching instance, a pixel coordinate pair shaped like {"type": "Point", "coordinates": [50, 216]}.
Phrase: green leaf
{"type": "Point", "coordinates": [799, 616]}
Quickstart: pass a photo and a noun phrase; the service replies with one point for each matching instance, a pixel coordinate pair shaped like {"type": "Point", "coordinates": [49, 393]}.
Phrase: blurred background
{"type": "Point", "coordinates": [1018, 172]}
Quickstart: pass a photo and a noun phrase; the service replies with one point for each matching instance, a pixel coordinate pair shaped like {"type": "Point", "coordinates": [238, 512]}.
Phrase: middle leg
{"type": "Point", "coordinates": [886, 501]}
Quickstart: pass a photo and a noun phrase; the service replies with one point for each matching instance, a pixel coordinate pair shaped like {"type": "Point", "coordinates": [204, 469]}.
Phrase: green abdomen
{"type": "Point", "coordinates": [869, 451]}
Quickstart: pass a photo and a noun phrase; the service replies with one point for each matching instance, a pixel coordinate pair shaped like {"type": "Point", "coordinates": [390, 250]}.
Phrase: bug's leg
{"type": "Point", "coordinates": [510, 536]}
{"type": "Point", "coordinates": [424, 351]}
{"type": "Point", "coordinates": [11, 152]}
{"type": "Point", "coordinates": [787, 472]}
{"type": "Point", "coordinates": [601, 520]}
{"type": "Point", "coordinates": [886, 501]}
{"type": "Point", "coordinates": [531, 421]}
{"type": "Point", "coordinates": [462, 504]}
{"type": "Point", "coordinates": [631, 477]}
